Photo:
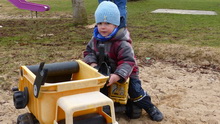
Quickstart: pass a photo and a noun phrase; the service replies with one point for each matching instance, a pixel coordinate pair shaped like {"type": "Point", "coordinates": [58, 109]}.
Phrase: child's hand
{"type": "Point", "coordinates": [112, 79]}
{"type": "Point", "coordinates": [93, 65]}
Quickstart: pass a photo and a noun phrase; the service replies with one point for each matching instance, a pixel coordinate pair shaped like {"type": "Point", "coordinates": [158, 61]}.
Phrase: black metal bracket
{"type": "Point", "coordinates": [103, 66]}
{"type": "Point", "coordinates": [40, 79]}
{"type": "Point", "coordinates": [104, 69]}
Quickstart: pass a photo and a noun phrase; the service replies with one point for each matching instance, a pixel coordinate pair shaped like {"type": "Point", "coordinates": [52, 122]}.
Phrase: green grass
{"type": "Point", "coordinates": [174, 28]}
{"type": "Point", "coordinates": [193, 30]}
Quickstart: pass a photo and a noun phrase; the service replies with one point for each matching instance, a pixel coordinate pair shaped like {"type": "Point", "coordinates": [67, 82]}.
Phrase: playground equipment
{"type": "Point", "coordinates": [22, 4]}
{"type": "Point", "coordinates": [62, 93]}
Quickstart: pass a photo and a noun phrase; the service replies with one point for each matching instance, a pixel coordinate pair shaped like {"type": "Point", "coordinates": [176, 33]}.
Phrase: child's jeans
{"type": "Point", "coordinates": [138, 95]}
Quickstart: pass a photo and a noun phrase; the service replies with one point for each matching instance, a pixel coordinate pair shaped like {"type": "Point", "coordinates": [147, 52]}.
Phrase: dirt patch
{"type": "Point", "coordinates": [182, 55]}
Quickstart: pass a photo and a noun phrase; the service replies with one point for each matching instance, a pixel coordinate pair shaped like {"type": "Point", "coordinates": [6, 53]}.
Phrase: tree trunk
{"type": "Point", "coordinates": [79, 12]}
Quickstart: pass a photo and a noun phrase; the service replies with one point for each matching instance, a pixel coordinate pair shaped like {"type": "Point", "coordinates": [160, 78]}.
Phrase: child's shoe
{"type": "Point", "coordinates": [155, 114]}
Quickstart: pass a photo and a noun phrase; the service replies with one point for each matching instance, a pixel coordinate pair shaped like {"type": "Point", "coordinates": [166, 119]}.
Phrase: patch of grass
{"type": "Point", "coordinates": [194, 30]}
{"type": "Point", "coordinates": [42, 31]}
{"type": "Point", "coordinates": [202, 30]}
{"type": "Point", "coordinates": [144, 26]}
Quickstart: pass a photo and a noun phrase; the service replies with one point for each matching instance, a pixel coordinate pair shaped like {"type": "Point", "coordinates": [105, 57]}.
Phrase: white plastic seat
{"type": "Point", "coordinates": [84, 101]}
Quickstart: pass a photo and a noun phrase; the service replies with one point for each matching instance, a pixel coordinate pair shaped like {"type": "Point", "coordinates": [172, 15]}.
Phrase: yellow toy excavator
{"type": "Point", "coordinates": [62, 93]}
{"type": "Point", "coordinates": [69, 93]}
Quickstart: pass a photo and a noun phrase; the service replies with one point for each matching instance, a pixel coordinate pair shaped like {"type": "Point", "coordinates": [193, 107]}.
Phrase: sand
{"type": "Point", "coordinates": [184, 95]}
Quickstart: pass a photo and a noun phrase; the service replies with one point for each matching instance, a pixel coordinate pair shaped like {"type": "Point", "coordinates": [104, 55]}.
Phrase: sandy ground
{"type": "Point", "coordinates": [184, 95]}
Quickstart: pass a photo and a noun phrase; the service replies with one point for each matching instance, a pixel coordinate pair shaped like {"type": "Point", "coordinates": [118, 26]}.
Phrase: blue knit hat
{"type": "Point", "coordinates": [107, 11]}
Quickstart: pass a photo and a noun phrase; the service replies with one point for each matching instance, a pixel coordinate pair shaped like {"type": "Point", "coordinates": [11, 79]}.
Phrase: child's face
{"type": "Point", "coordinates": [105, 28]}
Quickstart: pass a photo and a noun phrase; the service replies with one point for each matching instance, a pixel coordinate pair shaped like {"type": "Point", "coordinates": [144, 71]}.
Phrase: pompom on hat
{"type": "Point", "coordinates": [107, 11]}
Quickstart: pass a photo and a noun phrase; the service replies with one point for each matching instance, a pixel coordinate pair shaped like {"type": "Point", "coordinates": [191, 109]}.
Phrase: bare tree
{"type": "Point", "coordinates": [79, 12]}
